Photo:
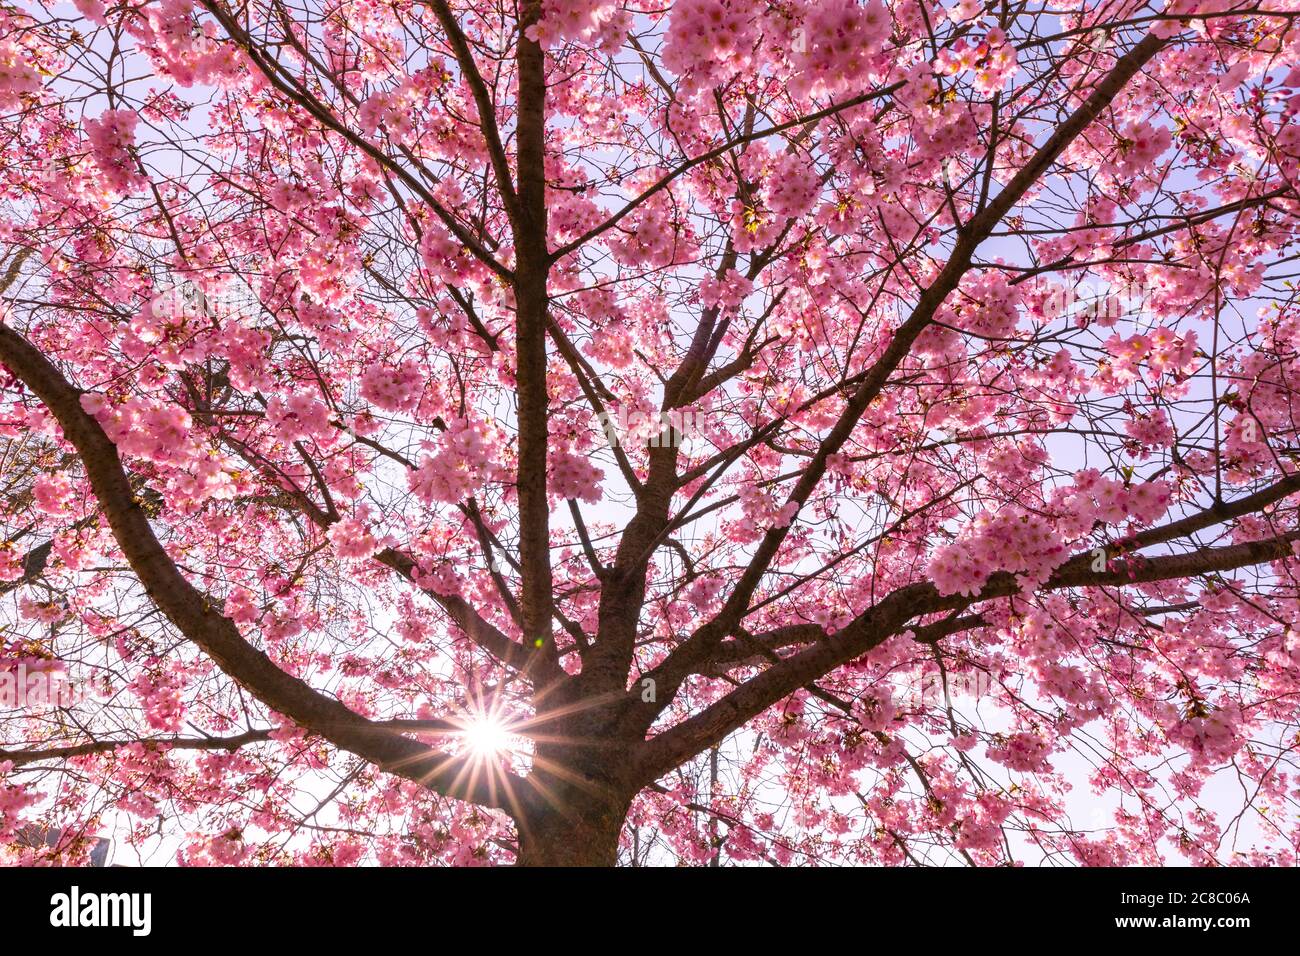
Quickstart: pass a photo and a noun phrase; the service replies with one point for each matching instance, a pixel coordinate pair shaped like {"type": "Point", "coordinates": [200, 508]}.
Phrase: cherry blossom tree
{"type": "Point", "coordinates": [710, 431]}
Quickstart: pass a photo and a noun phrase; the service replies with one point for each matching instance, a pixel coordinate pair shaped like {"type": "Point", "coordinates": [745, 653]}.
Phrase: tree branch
{"type": "Point", "coordinates": [195, 615]}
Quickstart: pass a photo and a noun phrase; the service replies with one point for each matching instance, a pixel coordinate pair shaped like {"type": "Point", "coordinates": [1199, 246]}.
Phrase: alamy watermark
{"type": "Point", "coordinates": [667, 429]}
{"type": "Point", "coordinates": [938, 690]}
{"type": "Point", "coordinates": [1102, 302]}
{"type": "Point", "coordinates": [22, 688]}
{"type": "Point", "coordinates": [190, 299]}
{"type": "Point", "coordinates": [74, 909]}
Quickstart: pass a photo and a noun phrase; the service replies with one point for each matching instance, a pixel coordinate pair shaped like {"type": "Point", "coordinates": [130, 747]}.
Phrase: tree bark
{"type": "Point", "coordinates": [583, 835]}
{"type": "Point", "coordinates": [530, 287]}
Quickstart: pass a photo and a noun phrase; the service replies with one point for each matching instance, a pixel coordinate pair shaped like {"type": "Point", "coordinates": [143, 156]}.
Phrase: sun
{"type": "Point", "coordinates": [487, 736]}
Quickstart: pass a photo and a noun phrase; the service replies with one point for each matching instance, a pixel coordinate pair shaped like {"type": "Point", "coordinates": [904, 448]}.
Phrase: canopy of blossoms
{"type": "Point", "coordinates": [795, 431]}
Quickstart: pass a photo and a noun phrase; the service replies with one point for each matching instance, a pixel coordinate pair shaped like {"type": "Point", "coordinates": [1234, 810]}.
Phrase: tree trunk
{"type": "Point", "coordinates": [586, 836]}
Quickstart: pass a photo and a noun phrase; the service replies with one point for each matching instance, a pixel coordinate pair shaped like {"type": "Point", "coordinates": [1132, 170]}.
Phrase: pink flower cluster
{"type": "Point", "coordinates": [992, 60]}
{"type": "Point", "coordinates": [709, 41]}
{"type": "Point", "coordinates": [300, 415]}
{"type": "Point", "coordinates": [703, 594]}
{"type": "Point", "coordinates": [13, 800]}
{"type": "Point", "coordinates": [1163, 351]}
{"type": "Point", "coordinates": [53, 493]}
{"type": "Point", "coordinates": [599, 23]}
{"type": "Point", "coordinates": [1047, 646]}
{"type": "Point", "coordinates": [727, 293]}
{"type": "Point", "coordinates": [156, 431]}
{"type": "Point", "coordinates": [138, 804]}
{"type": "Point", "coordinates": [990, 306]}
{"type": "Point", "coordinates": [92, 10]}
{"type": "Point", "coordinates": [1014, 540]}
{"type": "Point", "coordinates": [1139, 145]}
{"type": "Point", "coordinates": [351, 539]}
{"type": "Point", "coordinates": [160, 695]}
{"type": "Point", "coordinates": [183, 50]}
{"type": "Point", "coordinates": [1213, 738]}
{"type": "Point", "coordinates": [761, 511]}
{"type": "Point", "coordinates": [396, 110]}
{"type": "Point", "coordinates": [837, 40]}
{"type": "Point", "coordinates": [1094, 498]}
{"type": "Point", "coordinates": [111, 138]}
{"type": "Point", "coordinates": [461, 465]}
{"type": "Point", "coordinates": [875, 709]}
{"type": "Point", "coordinates": [574, 476]}
{"type": "Point", "coordinates": [444, 257]}
{"type": "Point", "coordinates": [1150, 430]}
{"type": "Point", "coordinates": [981, 827]}
{"type": "Point", "coordinates": [11, 562]}
{"type": "Point", "coordinates": [18, 76]}
{"type": "Point", "coordinates": [1023, 752]}
{"type": "Point", "coordinates": [650, 237]}
{"type": "Point", "coordinates": [393, 389]}
{"type": "Point", "coordinates": [791, 186]}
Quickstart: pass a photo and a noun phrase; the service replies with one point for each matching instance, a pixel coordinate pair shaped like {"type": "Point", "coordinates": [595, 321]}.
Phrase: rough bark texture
{"type": "Point", "coordinates": [585, 833]}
